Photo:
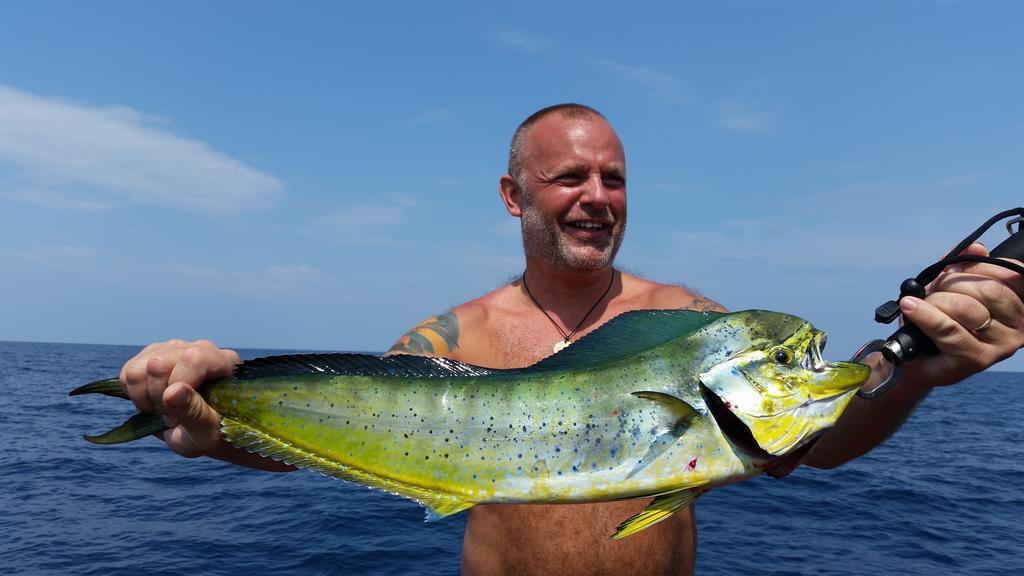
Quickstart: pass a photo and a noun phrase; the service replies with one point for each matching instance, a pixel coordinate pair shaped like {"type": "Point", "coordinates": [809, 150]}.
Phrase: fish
{"type": "Point", "coordinates": [655, 403]}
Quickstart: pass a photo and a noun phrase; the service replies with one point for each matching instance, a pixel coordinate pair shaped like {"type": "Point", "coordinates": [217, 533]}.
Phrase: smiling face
{"type": "Point", "coordinates": [573, 209]}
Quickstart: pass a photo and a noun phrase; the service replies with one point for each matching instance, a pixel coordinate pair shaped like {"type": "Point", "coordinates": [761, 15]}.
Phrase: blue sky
{"type": "Point", "coordinates": [321, 176]}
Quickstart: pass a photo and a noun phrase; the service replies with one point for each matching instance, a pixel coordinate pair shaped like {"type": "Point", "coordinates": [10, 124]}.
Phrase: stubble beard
{"type": "Point", "coordinates": [543, 238]}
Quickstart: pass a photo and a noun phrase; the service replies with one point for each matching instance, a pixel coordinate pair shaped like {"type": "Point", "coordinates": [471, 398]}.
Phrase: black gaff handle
{"type": "Point", "coordinates": [909, 342]}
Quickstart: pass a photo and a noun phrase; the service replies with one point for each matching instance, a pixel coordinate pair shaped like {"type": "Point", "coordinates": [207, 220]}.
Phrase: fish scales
{"type": "Point", "coordinates": [500, 438]}
{"type": "Point", "coordinates": [653, 403]}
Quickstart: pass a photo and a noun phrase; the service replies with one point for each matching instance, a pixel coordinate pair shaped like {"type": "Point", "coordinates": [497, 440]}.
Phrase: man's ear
{"type": "Point", "coordinates": [511, 195]}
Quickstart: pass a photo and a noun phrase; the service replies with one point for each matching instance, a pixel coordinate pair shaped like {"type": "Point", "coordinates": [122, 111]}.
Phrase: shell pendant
{"type": "Point", "coordinates": [561, 345]}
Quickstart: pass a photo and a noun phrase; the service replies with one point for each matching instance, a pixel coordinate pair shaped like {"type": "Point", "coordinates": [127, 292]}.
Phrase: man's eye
{"type": "Point", "coordinates": [614, 181]}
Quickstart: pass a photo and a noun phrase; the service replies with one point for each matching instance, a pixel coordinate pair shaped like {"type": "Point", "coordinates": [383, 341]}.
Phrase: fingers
{"type": "Point", "coordinates": [162, 379]}
{"type": "Point", "coordinates": [979, 293]}
{"type": "Point", "coordinates": [195, 425]}
{"type": "Point", "coordinates": [974, 316]}
{"type": "Point", "coordinates": [937, 324]}
{"type": "Point", "coordinates": [158, 370]}
{"type": "Point", "coordinates": [138, 375]}
{"type": "Point", "coordinates": [960, 353]}
{"type": "Point", "coordinates": [198, 362]}
{"type": "Point", "coordinates": [147, 376]}
{"type": "Point", "coordinates": [964, 310]}
{"type": "Point", "coordinates": [1011, 279]}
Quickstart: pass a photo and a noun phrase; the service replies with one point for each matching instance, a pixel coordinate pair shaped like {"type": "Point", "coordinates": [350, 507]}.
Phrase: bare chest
{"type": "Point", "coordinates": [518, 342]}
{"type": "Point", "coordinates": [524, 338]}
{"type": "Point", "coordinates": [513, 333]}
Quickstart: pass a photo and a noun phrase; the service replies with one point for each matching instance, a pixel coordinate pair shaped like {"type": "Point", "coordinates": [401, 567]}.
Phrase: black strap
{"type": "Point", "coordinates": [889, 311]}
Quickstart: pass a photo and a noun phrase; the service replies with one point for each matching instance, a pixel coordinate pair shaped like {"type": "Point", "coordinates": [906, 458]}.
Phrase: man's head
{"type": "Point", "coordinates": [567, 183]}
{"type": "Point", "coordinates": [567, 110]}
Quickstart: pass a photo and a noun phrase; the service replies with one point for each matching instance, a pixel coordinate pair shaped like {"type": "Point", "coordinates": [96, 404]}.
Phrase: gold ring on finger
{"type": "Point", "coordinates": [984, 326]}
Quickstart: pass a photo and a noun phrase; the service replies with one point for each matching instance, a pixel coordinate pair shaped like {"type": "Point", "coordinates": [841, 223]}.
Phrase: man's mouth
{"type": "Point", "coordinates": [589, 226]}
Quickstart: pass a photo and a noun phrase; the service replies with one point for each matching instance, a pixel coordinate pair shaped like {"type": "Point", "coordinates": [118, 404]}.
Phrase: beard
{"type": "Point", "coordinates": [543, 238]}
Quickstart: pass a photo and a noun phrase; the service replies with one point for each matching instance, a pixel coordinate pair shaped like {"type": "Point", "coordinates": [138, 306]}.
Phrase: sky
{"type": "Point", "coordinates": [322, 176]}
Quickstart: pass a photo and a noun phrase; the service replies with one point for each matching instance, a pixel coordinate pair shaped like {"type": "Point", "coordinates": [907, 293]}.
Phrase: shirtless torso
{"type": "Point", "coordinates": [504, 329]}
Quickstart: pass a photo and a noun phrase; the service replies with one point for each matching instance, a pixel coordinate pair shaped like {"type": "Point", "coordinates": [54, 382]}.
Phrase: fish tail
{"type": "Point", "coordinates": [108, 387]}
{"type": "Point", "coordinates": [138, 426]}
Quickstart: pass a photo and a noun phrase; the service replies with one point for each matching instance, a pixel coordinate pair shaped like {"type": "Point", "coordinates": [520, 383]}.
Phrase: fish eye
{"type": "Point", "coordinates": [781, 355]}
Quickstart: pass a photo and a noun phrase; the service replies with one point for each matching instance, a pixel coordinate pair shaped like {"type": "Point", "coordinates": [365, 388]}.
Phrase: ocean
{"type": "Point", "coordinates": [945, 495]}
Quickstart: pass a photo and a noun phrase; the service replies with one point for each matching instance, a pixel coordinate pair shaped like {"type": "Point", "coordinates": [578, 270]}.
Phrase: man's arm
{"type": "Point", "coordinates": [435, 336]}
{"type": "Point", "coordinates": [958, 302]}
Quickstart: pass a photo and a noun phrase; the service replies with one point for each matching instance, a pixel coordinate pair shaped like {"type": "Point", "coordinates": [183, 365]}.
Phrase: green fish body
{"type": "Point", "coordinates": [664, 403]}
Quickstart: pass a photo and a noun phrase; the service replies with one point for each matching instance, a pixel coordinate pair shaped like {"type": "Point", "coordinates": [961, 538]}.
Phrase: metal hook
{"type": "Point", "coordinates": [1010, 223]}
{"type": "Point", "coordinates": [889, 382]}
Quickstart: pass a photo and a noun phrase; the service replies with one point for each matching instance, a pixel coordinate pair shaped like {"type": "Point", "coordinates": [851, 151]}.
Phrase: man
{"type": "Point", "coordinates": [567, 184]}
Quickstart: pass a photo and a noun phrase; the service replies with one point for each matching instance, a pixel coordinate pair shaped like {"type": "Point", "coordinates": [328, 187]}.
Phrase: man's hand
{"type": "Point", "coordinates": [975, 315]}
{"type": "Point", "coordinates": [163, 378]}
{"type": "Point", "coordinates": [955, 315]}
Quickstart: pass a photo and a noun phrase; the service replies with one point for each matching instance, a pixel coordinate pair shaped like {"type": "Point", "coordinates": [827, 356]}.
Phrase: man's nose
{"type": "Point", "coordinates": [595, 193]}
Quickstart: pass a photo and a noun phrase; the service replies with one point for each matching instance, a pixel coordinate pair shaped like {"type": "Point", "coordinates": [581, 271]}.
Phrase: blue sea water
{"type": "Point", "coordinates": [944, 496]}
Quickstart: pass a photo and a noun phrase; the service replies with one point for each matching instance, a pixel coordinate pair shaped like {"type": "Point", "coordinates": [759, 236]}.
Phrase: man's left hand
{"type": "Point", "coordinates": [975, 315]}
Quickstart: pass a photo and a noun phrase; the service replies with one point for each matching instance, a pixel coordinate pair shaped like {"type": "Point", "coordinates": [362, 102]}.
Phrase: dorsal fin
{"type": "Point", "coordinates": [628, 333]}
{"type": "Point", "coordinates": [399, 365]}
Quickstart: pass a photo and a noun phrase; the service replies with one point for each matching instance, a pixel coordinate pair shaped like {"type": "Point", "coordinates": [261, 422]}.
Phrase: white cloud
{"type": "Point", "coordinates": [271, 280]}
{"type": "Point", "coordinates": [523, 41]}
{"type": "Point", "coordinates": [742, 118]}
{"type": "Point", "coordinates": [366, 222]}
{"type": "Point", "coordinates": [81, 156]}
{"type": "Point", "coordinates": [856, 230]}
{"type": "Point", "coordinates": [53, 199]}
{"type": "Point", "coordinates": [660, 85]}
{"type": "Point", "coordinates": [50, 255]}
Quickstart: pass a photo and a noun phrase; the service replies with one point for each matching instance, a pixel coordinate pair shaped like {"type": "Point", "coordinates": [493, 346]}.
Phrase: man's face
{"type": "Point", "coordinates": [574, 208]}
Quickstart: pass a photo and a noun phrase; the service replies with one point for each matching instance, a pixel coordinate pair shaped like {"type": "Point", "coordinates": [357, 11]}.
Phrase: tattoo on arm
{"type": "Point", "coordinates": [435, 336]}
{"type": "Point", "coordinates": [702, 304]}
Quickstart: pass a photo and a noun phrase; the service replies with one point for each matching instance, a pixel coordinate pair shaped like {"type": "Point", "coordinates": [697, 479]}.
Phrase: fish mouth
{"type": "Point", "coordinates": [834, 379]}
{"type": "Point", "coordinates": [735, 431]}
{"type": "Point", "coordinates": [812, 358]}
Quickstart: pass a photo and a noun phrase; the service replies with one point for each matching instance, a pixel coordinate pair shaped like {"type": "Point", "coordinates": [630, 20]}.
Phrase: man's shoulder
{"type": "Point", "coordinates": [480, 311]}
{"type": "Point", "coordinates": [451, 333]}
{"type": "Point", "coordinates": [436, 336]}
{"type": "Point", "coordinates": [650, 295]}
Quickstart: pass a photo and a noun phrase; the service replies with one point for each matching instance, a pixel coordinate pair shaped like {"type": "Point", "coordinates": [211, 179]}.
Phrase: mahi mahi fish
{"type": "Point", "coordinates": [662, 403]}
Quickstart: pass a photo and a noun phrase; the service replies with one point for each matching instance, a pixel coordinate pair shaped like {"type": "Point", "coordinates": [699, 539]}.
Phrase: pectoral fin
{"type": "Point", "coordinates": [659, 509]}
{"type": "Point", "coordinates": [678, 415]}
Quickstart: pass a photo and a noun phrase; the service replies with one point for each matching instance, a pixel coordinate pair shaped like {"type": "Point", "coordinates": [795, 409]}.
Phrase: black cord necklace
{"type": "Point", "coordinates": [565, 341]}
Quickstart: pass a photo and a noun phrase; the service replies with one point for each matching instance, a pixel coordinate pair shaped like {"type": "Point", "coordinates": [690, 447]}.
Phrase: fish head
{"type": "Point", "coordinates": [767, 374]}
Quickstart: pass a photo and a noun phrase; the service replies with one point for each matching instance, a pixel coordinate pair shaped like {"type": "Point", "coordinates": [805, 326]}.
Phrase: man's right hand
{"type": "Point", "coordinates": [163, 378]}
